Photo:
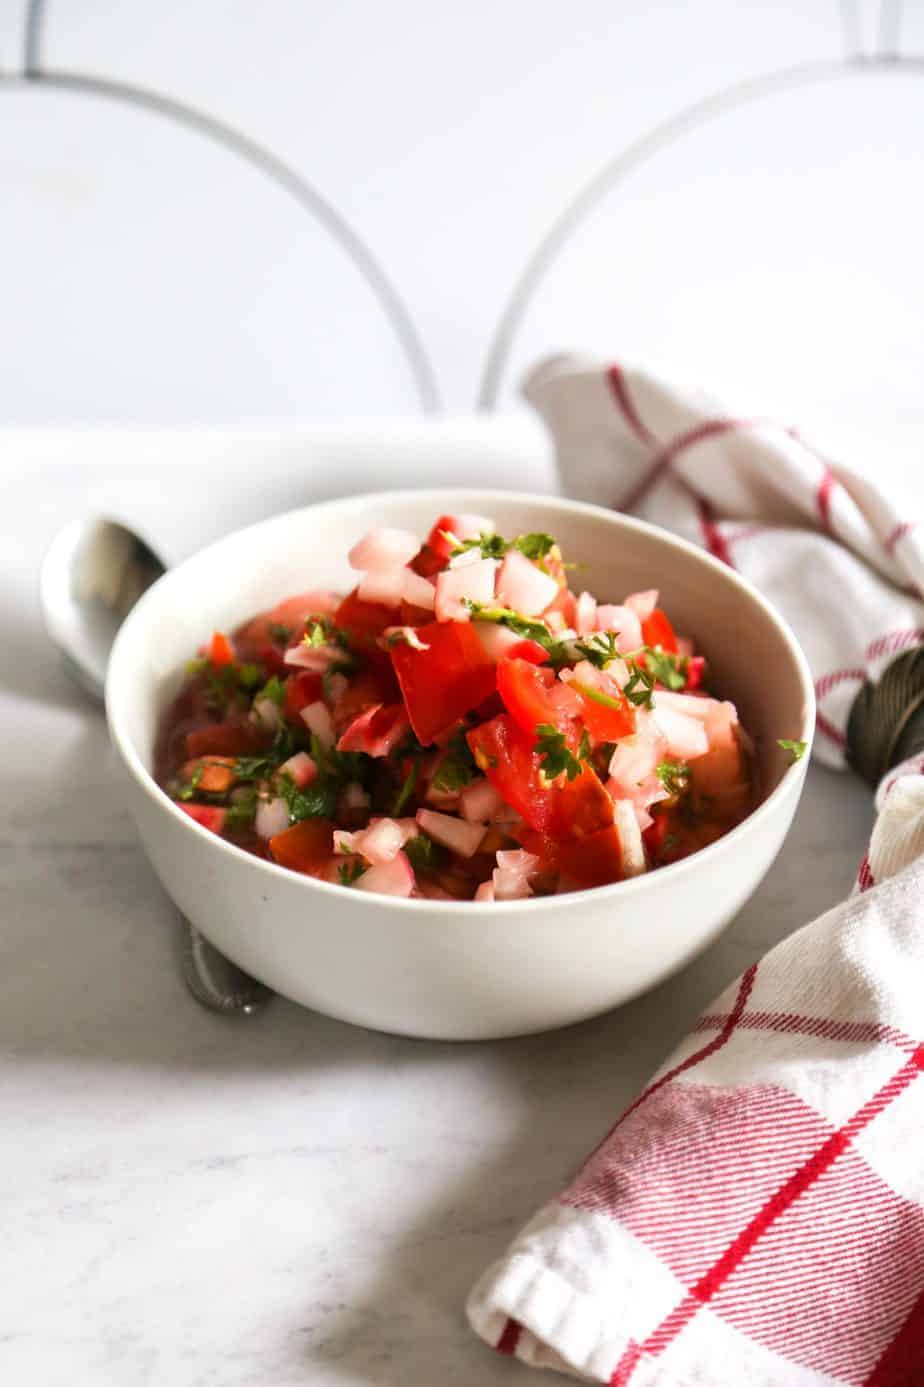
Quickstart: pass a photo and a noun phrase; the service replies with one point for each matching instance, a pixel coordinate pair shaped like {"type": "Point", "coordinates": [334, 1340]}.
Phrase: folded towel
{"type": "Point", "coordinates": [756, 1217]}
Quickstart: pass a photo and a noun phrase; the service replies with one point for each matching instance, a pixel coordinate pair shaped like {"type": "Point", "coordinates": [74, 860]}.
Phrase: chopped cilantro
{"type": "Point", "coordinates": [668, 669]}
{"type": "Point", "coordinates": [249, 676]}
{"type": "Point", "coordinates": [241, 810]}
{"type": "Point", "coordinates": [600, 648]}
{"type": "Point", "coordinates": [674, 776]}
{"type": "Point", "coordinates": [350, 872]}
{"type": "Point", "coordinates": [534, 546]}
{"type": "Point", "coordinates": [406, 790]}
{"type": "Point", "coordinates": [556, 756]}
{"type": "Point", "coordinates": [640, 686]}
{"type": "Point", "coordinates": [279, 633]}
{"type": "Point", "coordinates": [275, 690]}
{"type": "Point", "coordinates": [796, 749]}
{"type": "Point", "coordinates": [316, 633]}
{"type": "Point", "coordinates": [189, 789]}
{"type": "Point", "coordinates": [424, 855]}
{"type": "Point", "coordinates": [315, 801]}
{"type": "Point", "coordinates": [494, 546]}
{"type": "Point", "coordinates": [524, 626]}
{"type": "Point", "coordinates": [457, 767]}
{"type": "Point", "coordinates": [597, 696]}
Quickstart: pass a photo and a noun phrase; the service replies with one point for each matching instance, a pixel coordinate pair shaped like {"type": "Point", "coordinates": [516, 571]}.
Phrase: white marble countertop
{"type": "Point", "coordinates": [289, 1200]}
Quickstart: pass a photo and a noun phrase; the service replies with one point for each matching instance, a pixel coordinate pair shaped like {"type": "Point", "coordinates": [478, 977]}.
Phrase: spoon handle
{"type": "Point", "coordinates": [216, 982]}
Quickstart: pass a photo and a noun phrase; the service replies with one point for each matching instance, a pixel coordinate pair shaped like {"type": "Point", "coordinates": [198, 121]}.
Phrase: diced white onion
{"type": "Point", "coordinates": [318, 720]}
{"type": "Point", "coordinates": [395, 878]}
{"type": "Point", "coordinates": [524, 587]}
{"type": "Point", "coordinates": [272, 817]}
{"type": "Point", "coordinates": [455, 586]}
{"type": "Point", "coordinates": [455, 834]}
{"type": "Point", "coordinates": [383, 548]}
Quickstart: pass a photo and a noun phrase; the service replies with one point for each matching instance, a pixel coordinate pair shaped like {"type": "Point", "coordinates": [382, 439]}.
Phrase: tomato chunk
{"type": "Point", "coordinates": [220, 651]}
{"type": "Point", "coordinates": [301, 689]}
{"type": "Point", "coordinates": [365, 621]}
{"type": "Point", "coordinates": [595, 860]}
{"type": "Point", "coordinates": [447, 680]}
{"type": "Point", "coordinates": [214, 774]}
{"type": "Point", "coordinates": [606, 718]}
{"type": "Point", "coordinates": [532, 695]}
{"type": "Point", "coordinates": [305, 847]}
{"type": "Point", "coordinates": [507, 756]}
{"type": "Point", "coordinates": [210, 816]}
{"type": "Point", "coordinates": [226, 739]}
{"type": "Point", "coordinates": [657, 630]}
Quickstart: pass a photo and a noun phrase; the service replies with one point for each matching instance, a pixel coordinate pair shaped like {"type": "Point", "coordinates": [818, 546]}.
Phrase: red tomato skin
{"type": "Point", "coordinates": [444, 682]}
{"type": "Point", "coordinates": [607, 724]}
{"type": "Point", "coordinates": [226, 739]}
{"type": "Point", "coordinates": [210, 816]}
{"type": "Point", "coordinates": [375, 684]}
{"type": "Point", "coordinates": [506, 754]}
{"type": "Point", "coordinates": [594, 860]}
{"type": "Point", "coordinates": [528, 650]}
{"type": "Point", "coordinates": [657, 630]}
{"type": "Point", "coordinates": [584, 806]}
{"type": "Point", "coordinates": [365, 621]}
{"type": "Point", "coordinates": [305, 847]}
{"type": "Point", "coordinates": [532, 695]}
{"type": "Point", "coordinates": [220, 651]}
{"type": "Point", "coordinates": [302, 688]}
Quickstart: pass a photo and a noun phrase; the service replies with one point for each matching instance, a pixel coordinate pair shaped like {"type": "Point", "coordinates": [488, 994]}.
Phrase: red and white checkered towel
{"type": "Point", "coordinates": [756, 1217]}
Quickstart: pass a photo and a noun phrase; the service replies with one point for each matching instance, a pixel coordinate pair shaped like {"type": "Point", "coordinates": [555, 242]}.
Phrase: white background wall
{"type": "Point", "coordinates": [224, 211]}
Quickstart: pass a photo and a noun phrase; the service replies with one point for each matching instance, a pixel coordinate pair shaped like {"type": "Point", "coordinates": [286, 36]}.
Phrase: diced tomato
{"type": "Point", "coordinates": [594, 860]}
{"type": "Point", "coordinates": [532, 695]}
{"type": "Point", "coordinates": [365, 621]}
{"type": "Point", "coordinates": [226, 739]}
{"type": "Point", "coordinates": [214, 774]}
{"type": "Point", "coordinates": [444, 682]}
{"type": "Point", "coordinates": [508, 757]}
{"type": "Point", "coordinates": [696, 667]}
{"type": "Point", "coordinates": [528, 650]}
{"type": "Point", "coordinates": [655, 834]}
{"type": "Point", "coordinates": [377, 731]}
{"type": "Point", "coordinates": [220, 651]}
{"type": "Point", "coordinates": [305, 847]}
{"type": "Point", "coordinates": [210, 816]}
{"type": "Point", "coordinates": [437, 541]}
{"type": "Point", "coordinates": [374, 685]}
{"type": "Point", "coordinates": [301, 689]}
{"type": "Point", "coordinates": [657, 630]}
{"type": "Point", "coordinates": [604, 722]}
{"type": "Point", "coordinates": [265, 638]}
{"type": "Point", "coordinates": [583, 806]}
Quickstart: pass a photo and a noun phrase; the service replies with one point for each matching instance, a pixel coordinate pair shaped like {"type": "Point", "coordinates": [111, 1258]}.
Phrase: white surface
{"type": "Point", "coordinates": [731, 189]}
{"type": "Point", "coordinates": [425, 968]}
{"type": "Point", "coordinates": [292, 1201]}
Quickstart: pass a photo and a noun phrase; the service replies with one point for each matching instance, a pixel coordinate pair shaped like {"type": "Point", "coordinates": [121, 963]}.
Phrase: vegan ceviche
{"type": "Point", "coordinates": [460, 726]}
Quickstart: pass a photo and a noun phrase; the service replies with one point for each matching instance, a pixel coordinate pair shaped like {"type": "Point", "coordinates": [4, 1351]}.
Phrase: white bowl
{"type": "Point", "coordinates": [455, 970]}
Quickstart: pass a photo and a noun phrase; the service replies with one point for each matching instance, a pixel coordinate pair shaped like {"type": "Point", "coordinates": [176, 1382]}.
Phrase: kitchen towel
{"type": "Point", "coordinates": [756, 1216]}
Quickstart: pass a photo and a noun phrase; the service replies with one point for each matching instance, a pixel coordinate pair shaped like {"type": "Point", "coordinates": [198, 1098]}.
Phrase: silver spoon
{"type": "Point", "coordinates": [92, 575]}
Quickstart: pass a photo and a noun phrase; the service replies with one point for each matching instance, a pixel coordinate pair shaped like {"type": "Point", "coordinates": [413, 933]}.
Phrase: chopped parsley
{"type": "Point", "coordinates": [406, 790]}
{"type": "Point", "coordinates": [424, 855]}
{"type": "Point", "coordinates": [457, 767]}
{"type": "Point", "coordinates": [556, 756]}
{"type": "Point", "coordinates": [796, 749]}
{"type": "Point", "coordinates": [674, 776]}
{"type": "Point", "coordinates": [350, 872]}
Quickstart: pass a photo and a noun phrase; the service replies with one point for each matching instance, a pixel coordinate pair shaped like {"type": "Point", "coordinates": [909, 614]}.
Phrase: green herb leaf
{"type": "Point", "coordinates": [317, 800]}
{"type": "Point", "coordinates": [597, 696]}
{"type": "Point", "coordinates": [600, 648]}
{"type": "Point", "coordinates": [796, 749]}
{"type": "Point", "coordinates": [640, 687]}
{"type": "Point", "coordinates": [279, 633]}
{"type": "Point", "coordinates": [241, 811]}
{"type": "Point", "coordinates": [275, 690]}
{"type": "Point", "coordinates": [668, 669]}
{"type": "Point", "coordinates": [424, 855]}
{"type": "Point", "coordinates": [407, 789]}
{"type": "Point", "coordinates": [674, 776]}
{"type": "Point", "coordinates": [457, 766]}
{"type": "Point", "coordinates": [557, 758]}
{"type": "Point", "coordinates": [534, 546]}
{"type": "Point", "coordinates": [350, 872]}
{"type": "Point", "coordinates": [189, 789]}
{"type": "Point", "coordinates": [524, 626]}
{"type": "Point", "coordinates": [316, 633]}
